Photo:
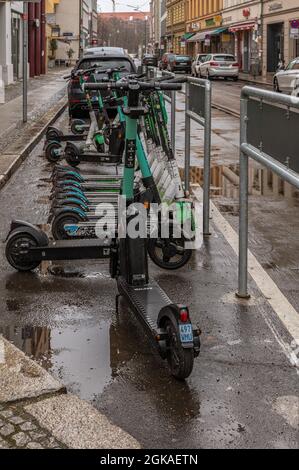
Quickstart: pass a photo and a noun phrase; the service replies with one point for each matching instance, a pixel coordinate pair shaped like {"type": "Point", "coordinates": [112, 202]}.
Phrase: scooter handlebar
{"type": "Point", "coordinates": [138, 86]}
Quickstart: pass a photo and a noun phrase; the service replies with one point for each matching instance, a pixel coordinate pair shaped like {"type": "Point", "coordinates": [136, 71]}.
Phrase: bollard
{"type": "Point", "coordinates": [243, 224]}
{"type": "Point", "coordinates": [207, 160]}
{"type": "Point", "coordinates": [173, 120]}
{"type": "Point", "coordinates": [187, 141]}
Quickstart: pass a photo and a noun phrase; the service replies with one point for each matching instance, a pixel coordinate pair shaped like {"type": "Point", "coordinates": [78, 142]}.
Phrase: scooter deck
{"type": "Point", "coordinates": [72, 250]}
{"type": "Point", "coordinates": [100, 158]}
{"type": "Point", "coordinates": [147, 301]}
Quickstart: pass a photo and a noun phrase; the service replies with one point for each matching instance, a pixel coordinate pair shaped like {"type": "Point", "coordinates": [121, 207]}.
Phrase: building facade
{"type": "Point", "coordinates": [11, 41]}
{"type": "Point", "coordinates": [203, 26]}
{"type": "Point", "coordinates": [155, 26]}
{"type": "Point", "coordinates": [280, 33]}
{"type": "Point", "coordinates": [243, 19]}
{"type": "Point", "coordinates": [72, 26]}
{"type": "Point", "coordinates": [176, 25]}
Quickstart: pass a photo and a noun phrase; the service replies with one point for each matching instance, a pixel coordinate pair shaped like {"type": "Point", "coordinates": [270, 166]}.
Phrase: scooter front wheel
{"type": "Point", "coordinates": [77, 126]}
{"type": "Point", "coordinates": [18, 252]}
{"type": "Point", "coordinates": [180, 360]}
{"type": "Point", "coordinates": [53, 152]}
{"type": "Point", "coordinates": [72, 156]}
{"type": "Point", "coordinates": [53, 134]}
{"type": "Point", "coordinates": [169, 253]}
{"type": "Point", "coordinates": [58, 226]}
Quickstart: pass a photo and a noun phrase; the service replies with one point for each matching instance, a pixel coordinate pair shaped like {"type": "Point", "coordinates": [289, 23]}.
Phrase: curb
{"type": "Point", "coordinates": [255, 82]}
{"type": "Point", "coordinates": [72, 421]}
{"type": "Point", "coordinates": [14, 156]}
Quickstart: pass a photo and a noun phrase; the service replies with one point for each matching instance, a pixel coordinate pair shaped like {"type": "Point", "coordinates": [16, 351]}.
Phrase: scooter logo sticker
{"type": "Point", "coordinates": [130, 153]}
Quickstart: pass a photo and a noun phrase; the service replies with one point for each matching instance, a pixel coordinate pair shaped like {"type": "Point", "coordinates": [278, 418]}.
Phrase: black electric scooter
{"type": "Point", "coordinates": [167, 324]}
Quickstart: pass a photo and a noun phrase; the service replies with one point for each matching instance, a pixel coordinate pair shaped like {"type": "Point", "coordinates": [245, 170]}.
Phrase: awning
{"type": "Point", "coordinates": [202, 35]}
{"type": "Point", "coordinates": [219, 30]}
{"type": "Point", "coordinates": [186, 36]}
{"type": "Point", "coordinates": [242, 27]}
{"type": "Point", "coordinates": [197, 37]}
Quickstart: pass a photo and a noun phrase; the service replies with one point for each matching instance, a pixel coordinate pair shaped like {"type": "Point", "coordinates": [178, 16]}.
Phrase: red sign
{"type": "Point", "coordinates": [295, 24]}
{"type": "Point", "coordinates": [246, 12]}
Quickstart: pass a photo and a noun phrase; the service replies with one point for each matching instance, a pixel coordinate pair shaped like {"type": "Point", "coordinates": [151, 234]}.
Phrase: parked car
{"type": "Point", "coordinates": [219, 65]}
{"type": "Point", "coordinates": [286, 80]}
{"type": "Point", "coordinates": [101, 59]}
{"type": "Point", "coordinates": [149, 59]}
{"type": "Point", "coordinates": [199, 59]}
{"type": "Point", "coordinates": [176, 63]}
{"type": "Point", "coordinates": [104, 50]}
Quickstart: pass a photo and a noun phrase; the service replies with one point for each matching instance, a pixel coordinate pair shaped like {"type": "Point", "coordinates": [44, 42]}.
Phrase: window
{"type": "Point", "coordinates": [224, 58]}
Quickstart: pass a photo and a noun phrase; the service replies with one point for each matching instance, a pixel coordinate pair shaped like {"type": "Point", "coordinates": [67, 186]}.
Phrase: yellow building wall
{"type": "Point", "coordinates": [50, 8]}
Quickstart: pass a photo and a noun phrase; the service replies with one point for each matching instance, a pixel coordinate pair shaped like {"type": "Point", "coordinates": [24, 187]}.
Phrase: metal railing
{"type": "Point", "coordinates": [198, 108]}
{"type": "Point", "coordinates": [269, 135]}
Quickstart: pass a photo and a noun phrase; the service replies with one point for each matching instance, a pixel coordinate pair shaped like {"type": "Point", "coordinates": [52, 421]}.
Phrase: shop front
{"type": "Point", "coordinates": [281, 33]}
{"type": "Point", "coordinates": [206, 35]}
{"type": "Point", "coordinates": [244, 27]}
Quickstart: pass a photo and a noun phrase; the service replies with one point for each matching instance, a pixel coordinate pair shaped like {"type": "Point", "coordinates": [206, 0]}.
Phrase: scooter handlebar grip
{"type": "Point", "coordinates": [174, 86]}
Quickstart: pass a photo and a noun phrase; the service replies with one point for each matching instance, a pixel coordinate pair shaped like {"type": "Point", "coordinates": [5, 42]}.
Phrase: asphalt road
{"type": "Point", "coordinates": [243, 391]}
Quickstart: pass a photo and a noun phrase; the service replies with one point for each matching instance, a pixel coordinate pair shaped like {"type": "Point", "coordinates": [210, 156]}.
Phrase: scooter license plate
{"type": "Point", "coordinates": [186, 333]}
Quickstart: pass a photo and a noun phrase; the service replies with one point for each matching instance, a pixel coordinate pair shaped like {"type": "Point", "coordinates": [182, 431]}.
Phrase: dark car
{"type": "Point", "coordinates": [176, 63]}
{"type": "Point", "coordinates": [77, 102]}
{"type": "Point", "coordinates": [149, 59]}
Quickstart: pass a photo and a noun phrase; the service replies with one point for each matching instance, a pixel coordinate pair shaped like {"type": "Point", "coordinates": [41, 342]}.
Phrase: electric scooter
{"type": "Point", "coordinates": [167, 324]}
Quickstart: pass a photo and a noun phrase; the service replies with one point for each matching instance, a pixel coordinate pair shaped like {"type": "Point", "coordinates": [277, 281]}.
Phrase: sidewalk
{"type": "Point", "coordinates": [46, 101]}
{"type": "Point", "coordinates": [258, 80]}
{"type": "Point", "coordinates": [43, 92]}
{"type": "Point", "coordinates": [36, 412]}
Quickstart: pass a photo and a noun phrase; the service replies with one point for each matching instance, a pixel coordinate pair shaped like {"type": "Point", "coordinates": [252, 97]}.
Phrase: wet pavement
{"type": "Point", "coordinates": [243, 391]}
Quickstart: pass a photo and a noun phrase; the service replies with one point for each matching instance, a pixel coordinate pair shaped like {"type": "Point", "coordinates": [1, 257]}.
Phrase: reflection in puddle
{"type": "Point", "coordinates": [79, 357]}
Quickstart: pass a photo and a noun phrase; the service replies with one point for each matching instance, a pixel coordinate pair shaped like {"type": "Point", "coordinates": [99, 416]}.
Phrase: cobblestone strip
{"type": "Point", "coordinates": [19, 430]}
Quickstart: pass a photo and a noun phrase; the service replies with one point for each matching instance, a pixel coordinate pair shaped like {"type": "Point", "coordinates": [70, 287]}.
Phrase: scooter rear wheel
{"type": "Point", "coordinates": [52, 151]}
{"type": "Point", "coordinates": [180, 360]}
{"type": "Point", "coordinates": [20, 261]}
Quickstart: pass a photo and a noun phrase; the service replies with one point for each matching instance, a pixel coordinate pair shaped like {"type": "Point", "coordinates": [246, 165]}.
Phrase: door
{"type": "Point", "coordinates": [246, 51]}
{"type": "Point", "coordinates": [15, 44]}
{"type": "Point", "coordinates": [275, 45]}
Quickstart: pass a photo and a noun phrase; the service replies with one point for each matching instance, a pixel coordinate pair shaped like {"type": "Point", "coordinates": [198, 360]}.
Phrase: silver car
{"type": "Point", "coordinates": [219, 65]}
{"type": "Point", "coordinates": [199, 59]}
{"type": "Point", "coordinates": [287, 79]}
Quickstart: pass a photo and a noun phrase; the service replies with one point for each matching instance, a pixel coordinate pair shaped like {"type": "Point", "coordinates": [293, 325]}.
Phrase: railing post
{"type": "Point", "coordinates": [243, 222]}
{"type": "Point", "coordinates": [173, 120]}
{"type": "Point", "coordinates": [207, 159]}
{"type": "Point", "coordinates": [187, 140]}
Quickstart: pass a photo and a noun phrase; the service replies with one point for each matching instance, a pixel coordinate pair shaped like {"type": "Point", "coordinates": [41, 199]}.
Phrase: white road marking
{"type": "Point", "coordinates": [279, 303]}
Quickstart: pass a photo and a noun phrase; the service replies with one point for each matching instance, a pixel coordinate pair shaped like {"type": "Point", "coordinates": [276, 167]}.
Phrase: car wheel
{"type": "Point", "coordinates": [276, 86]}
{"type": "Point", "coordinates": [235, 79]}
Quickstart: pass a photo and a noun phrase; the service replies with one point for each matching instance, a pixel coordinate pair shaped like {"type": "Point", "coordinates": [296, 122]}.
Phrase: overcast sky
{"type": "Point", "coordinates": [122, 5]}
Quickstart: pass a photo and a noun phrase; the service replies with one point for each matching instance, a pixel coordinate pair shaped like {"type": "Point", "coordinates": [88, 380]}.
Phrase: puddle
{"type": "Point", "coordinates": [78, 357]}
